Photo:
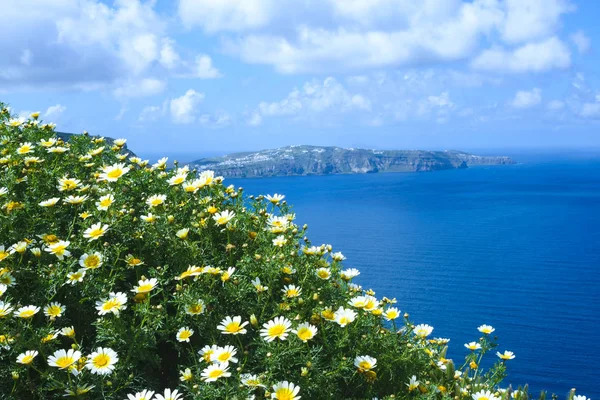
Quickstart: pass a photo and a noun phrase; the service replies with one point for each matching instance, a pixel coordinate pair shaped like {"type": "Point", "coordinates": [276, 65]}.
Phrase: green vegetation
{"type": "Point", "coordinates": [117, 277]}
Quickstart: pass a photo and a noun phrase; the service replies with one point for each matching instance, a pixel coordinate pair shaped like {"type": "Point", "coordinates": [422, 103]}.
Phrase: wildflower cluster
{"type": "Point", "coordinates": [122, 279]}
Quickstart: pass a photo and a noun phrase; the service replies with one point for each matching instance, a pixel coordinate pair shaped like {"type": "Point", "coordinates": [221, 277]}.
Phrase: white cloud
{"type": "Point", "coordinates": [556, 105]}
{"type": "Point", "coordinates": [527, 99]}
{"type": "Point", "coordinates": [532, 57]}
{"type": "Point", "coordinates": [203, 68]}
{"type": "Point", "coordinates": [217, 120]}
{"type": "Point", "coordinates": [54, 111]}
{"type": "Point", "coordinates": [140, 88]}
{"type": "Point", "coordinates": [443, 100]}
{"type": "Point", "coordinates": [225, 15]}
{"type": "Point", "coordinates": [150, 113]}
{"type": "Point", "coordinates": [255, 119]}
{"type": "Point", "coordinates": [590, 110]}
{"type": "Point", "coordinates": [183, 109]}
{"type": "Point", "coordinates": [528, 20]}
{"type": "Point", "coordinates": [26, 57]}
{"type": "Point", "coordinates": [168, 56]}
{"type": "Point", "coordinates": [316, 97]}
{"type": "Point", "coordinates": [581, 41]}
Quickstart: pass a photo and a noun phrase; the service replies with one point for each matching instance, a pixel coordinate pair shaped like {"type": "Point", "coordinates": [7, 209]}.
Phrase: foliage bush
{"type": "Point", "coordinates": [119, 277]}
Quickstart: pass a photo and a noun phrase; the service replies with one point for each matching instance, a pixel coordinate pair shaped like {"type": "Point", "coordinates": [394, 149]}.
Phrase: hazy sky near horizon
{"type": "Point", "coordinates": [216, 76]}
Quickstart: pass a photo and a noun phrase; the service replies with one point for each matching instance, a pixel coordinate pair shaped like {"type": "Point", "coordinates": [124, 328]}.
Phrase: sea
{"type": "Point", "coordinates": [515, 246]}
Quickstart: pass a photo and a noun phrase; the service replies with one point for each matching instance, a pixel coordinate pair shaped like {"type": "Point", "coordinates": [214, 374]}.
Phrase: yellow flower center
{"type": "Point", "coordinates": [115, 173]}
{"type": "Point", "coordinates": [195, 309]}
{"type": "Point", "coordinates": [364, 365]}
{"type": "Point", "coordinates": [101, 360]}
{"type": "Point", "coordinates": [145, 288]}
{"type": "Point", "coordinates": [284, 394]}
{"type": "Point", "coordinates": [323, 274]}
{"type": "Point", "coordinates": [110, 304]}
{"type": "Point", "coordinates": [224, 357]}
{"type": "Point", "coordinates": [64, 362]}
{"type": "Point", "coordinates": [185, 335]}
{"type": "Point", "coordinates": [27, 314]}
{"type": "Point", "coordinates": [277, 330]}
{"type": "Point", "coordinates": [92, 262]}
{"type": "Point", "coordinates": [215, 373]}
{"type": "Point", "coordinates": [96, 233]}
{"type": "Point", "coordinates": [68, 185]}
{"type": "Point", "coordinates": [233, 327]}
{"type": "Point", "coordinates": [178, 179]}
{"type": "Point", "coordinates": [105, 202]}
{"type": "Point", "coordinates": [305, 334]}
{"type": "Point", "coordinates": [54, 311]}
{"type": "Point", "coordinates": [27, 359]}
{"type": "Point", "coordinates": [59, 249]}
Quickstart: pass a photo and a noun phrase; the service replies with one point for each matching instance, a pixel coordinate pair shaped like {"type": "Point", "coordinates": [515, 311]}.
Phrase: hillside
{"type": "Point", "coordinates": [315, 160]}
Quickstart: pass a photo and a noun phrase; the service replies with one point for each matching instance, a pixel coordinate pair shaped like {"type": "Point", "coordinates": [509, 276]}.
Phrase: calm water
{"type": "Point", "coordinates": [517, 247]}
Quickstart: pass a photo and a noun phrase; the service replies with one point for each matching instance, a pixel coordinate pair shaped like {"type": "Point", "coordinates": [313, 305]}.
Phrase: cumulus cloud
{"type": "Point", "coordinates": [590, 110]}
{"type": "Point", "coordinates": [183, 109]}
{"type": "Point", "coordinates": [150, 113]}
{"type": "Point", "coordinates": [204, 69]}
{"type": "Point", "coordinates": [527, 99]}
{"type": "Point", "coordinates": [316, 97]}
{"type": "Point", "coordinates": [54, 111]}
{"type": "Point", "coordinates": [532, 57]}
{"type": "Point", "coordinates": [225, 15]}
{"type": "Point", "coordinates": [217, 120]}
{"type": "Point", "coordinates": [140, 88]}
{"type": "Point", "coordinates": [581, 41]}
{"type": "Point", "coordinates": [528, 20]}
{"type": "Point", "coordinates": [556, 105]}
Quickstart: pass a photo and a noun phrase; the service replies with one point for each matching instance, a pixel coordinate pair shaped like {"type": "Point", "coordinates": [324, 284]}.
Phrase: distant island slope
{"type": "Point", "coordinates": [321, 160]}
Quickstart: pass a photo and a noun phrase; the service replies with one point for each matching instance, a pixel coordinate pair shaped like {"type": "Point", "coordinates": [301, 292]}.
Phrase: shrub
{"type": "Point", "coordinates": [118, 276]}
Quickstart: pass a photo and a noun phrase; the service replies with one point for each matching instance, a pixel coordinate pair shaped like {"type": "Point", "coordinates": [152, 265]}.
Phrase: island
{"type": "Point", "coordinates": [327, 160]}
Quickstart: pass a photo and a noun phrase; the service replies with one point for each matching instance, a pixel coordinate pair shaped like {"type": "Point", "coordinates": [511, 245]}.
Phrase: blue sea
{"type": "Point", "coordinates": [516, 247]}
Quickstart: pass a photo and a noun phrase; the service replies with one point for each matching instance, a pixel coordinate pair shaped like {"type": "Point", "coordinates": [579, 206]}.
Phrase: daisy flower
{"type": "Point", "coordinates": [423, 330]}
{"type": "Point", "coordinates": [215, 371]}
{"type": "Point", "coordinates": [64, 358]}
{"type": "Point", "coordinates": [285, 391]}
{"type": "Point", "coordinates": [5, 309]}
{"type": "Point", "coordinates": [77, 276]}
{"type": "Point", "coordinates": [305, 331]}
{"type": "Point", "coordinates": [486, 329]}
{"type": "Point", "coordinates": [145, 285]}
{"type": "Point", "coordinates": [275, 199]}
{"type": "Point", "coordinates": [232, 326]}
{"type": "Point", "coordinates": [186, 375]}
{"type": "Point", "coordinates": [413, 383]}
{"type": "Point", "coordinates": [223, 217]}
{"type": "Point", "coordinates": [338, 256]}
{"type": "Point", "coordinates": [95, 232]}
{"type": "Point", "coordinates": [102, 361]}
{"type": "Point", "coordinates": [143, 395]}
{"type": "Point", "coordinates": [114, 304]}
{"type": "Point", "coordinates": [75, 200]}
{"type": "Point", "coordinates": [184, 334]}
{"type": "Point", "coordinates": [323, 273]}
{"type": "Point", "coordinates": [3, 288]}
{"type": "Point", "coordinates": [252, 381]}
{"type": "Point", "coordinates": [191, 271]}
{"type": "Point", "coordinates": [279, 241]}
{"type": "Point", "coordinates": [66, 184]}
{"type": "Point", "coordinates": [47, 143]}
{"type": "Point", "coordinates": [182, 233]}
{"type": "Point", "coordinates": [112, 173]}
{"type": "Point", "coordinates": [91, 261]}
{"type": "Point", "coordinates": [27, 357]}
{"type": "Point", "coordinates": [484, 395]}
{"type": "Point", "coordinates": [207, 351]}
{"type": "Point", "coordinates": [68, 331]}
{"type": "Point", "coordinates": [178, 179]}
{"type": "Point", "coordinates": [26, 312]}
{"type": "Point", "coordinates": [291, 291]}
{"type": "Point", "coordinates": [365, 363]}
{"type": "Point", "coordinates": [59, 249]}
{"type": "Point", "coordinates": [54, 310]}
{"type": "Point", "coordinates": [349, 273]}
{"type": "Point", "coordinates": [195, 308]}
{"type": "Point", "coordinates": [156, 200]}
{"type": "Point", "coordinates": [50, 202]}
{"type": "Point", "coordinates": [7, 279]}
{"type": "Point", "coordinates": [507, 355]}
{"type": "Point", "coordinates": [206, 178]}
{"type": "Point", "coordinates": [25, 148]}
{"type": "Point", "coordinates": [104, 202]}
{"type": "Point", "coordinates": [168, 394]}
{"type": "Point", "coordinates": [150, 218]}
{"type": "Point", "coordinates": [344, 316]}
{"type": "Point", "coordinates": [224, 355]}
{"type": "Point", "coordinates": [277, 328]}
{"type": "Point", "coordinates": [160, 164]}
{"type": "Point", "coordinates": [473, 346]}
{"type": "Point", "coordinates": [391, 313]}
{"type": "Point", "coordinates": [258, 286]}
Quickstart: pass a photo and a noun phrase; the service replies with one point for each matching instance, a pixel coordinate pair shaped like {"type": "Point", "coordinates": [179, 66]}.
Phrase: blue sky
{"type": "Point", "coordinates": [216, 76]}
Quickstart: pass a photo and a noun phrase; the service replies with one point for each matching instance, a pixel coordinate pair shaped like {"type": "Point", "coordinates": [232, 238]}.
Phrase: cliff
{"type": "Point", "coordinates": [315, 160]}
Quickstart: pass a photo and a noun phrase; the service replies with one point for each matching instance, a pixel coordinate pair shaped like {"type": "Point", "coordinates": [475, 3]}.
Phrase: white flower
{"type": "Point", "coordinates": [156, 200]}
{"type": "Point", "coordinates": [507, 355]}
{"type": "Point", "coordinates": [169, 395]}
{"type": "Point", "coordinates": [114, 304]}
{"type": "Point", "coordinates": [349, 273]}
{"type": "Point", "coordinates": [224, 355]}
{"type": "Point", "coordinates": [54, 310]}
{"type": "Point", "coordinates": [64, 358]}
{"type": "Point", "coordinates": [413, 383]}
{"type": "Point", "coordinates": [160, 164]}
{"type": "Point", "coordinates": [391, 313]}
{"type": "Point", "coordinates": [26, 312]}
{"type": "Point", "coordinates": [184, 334]}
{"type": "Point", "coordinates": [279, 241]}
{"type": "Point", "coordinates": [104, 202]}
{"type": "Point", "coordinates": [178, 179]}
{"type": "Point", "coordinates": [251, 380]}
{"type": "Point", "coordinates": [484, 395]}
{"type": "Point", "coordinates": [258, 286]}
{"type": "Point", "coordinates": [102, 361]}
{"type": "Point", "coordinates": [344, 316]}
{"type": "Point", "coordinates": [486, 329]}
{"type": "Point", "coordinates": [323, 273]}
{"type": "Point", "coordinates": [112, 173]}
{"type": "Point", "coordinates": [59, 249]}
{"type": "Point", "coordinates": [74, 277]}
{"type": "Point", "coordinates": [232, 326]}
{"type": "Point", "coordinates": [305, 331]}
{"type": "Point", "coordinates": [473, 346]}
{"type": "Point", "coordinates": [285, 390]}
{"type": "Point", "coordinates": [91, 261]}
{"type": "Point", "coordinates": [145, 285]}
{"type": "Point", "coordinates": [215, 371]}
{"type": "Point", "coordinates": [27, 357]}
{"type": "Point", "coordinates": [50, 202]}
{"type": "Point", "coordinates": [95, 232]}
{"type": "Point", "coordinates": [277, 328]}
{"type": "Point", "coordinates": [423, 330]}
{"type": "Point", "coordinates": [143, 395]}
{"type": "Point", "coordinates": [223, 217]}
{"type": "Point", "coordinates": [275, 199]}
{"type": "Point", "coordinates": [365, 363]}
